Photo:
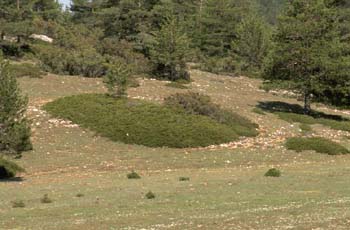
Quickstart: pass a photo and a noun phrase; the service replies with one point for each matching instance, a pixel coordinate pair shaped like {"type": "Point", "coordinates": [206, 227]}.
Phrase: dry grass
{"type": "Point", "coordinates": [227, 189]}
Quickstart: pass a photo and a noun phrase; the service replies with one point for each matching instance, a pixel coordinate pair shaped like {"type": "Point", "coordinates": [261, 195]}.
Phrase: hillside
{"type": "Point", "coordinates": [226, 188]}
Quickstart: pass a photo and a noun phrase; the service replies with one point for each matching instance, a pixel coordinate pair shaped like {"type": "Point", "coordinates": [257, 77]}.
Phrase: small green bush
{"type": "Point", "coordinates": [45, 199]}
{"type": "Point", "coordinates": [198, 104]}
{"type": "Point", "coordinates": [133, 175]}
{"type": "Point", "coordinates": [273, 173]}
{"type": "Point", "coordinates": [150, 195]}
{"type": "Point", "coordinates": [318, 144]}
{"type": "Point", "coordinates": [141, 122]}
{"type": "Point", "coordinates": [184, 178]}
{"type": "Point", "coordinates": [9, 169]}
{"type": "Point", "coordinates": [18, 204]}
{"type": "Point", "coordinates": [25, 70]}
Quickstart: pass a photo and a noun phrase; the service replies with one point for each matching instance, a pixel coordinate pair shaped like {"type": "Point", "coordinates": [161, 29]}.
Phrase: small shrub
{"type": "Point", "coordinates": [176, 85]}
{"type": "Point", "coordinates": [45, 199]}
{"type": "Point", "coordinates": [25, 70]}
{"type": "Point", "coordinates": [18, 204]}
{"type": "Point", "coordinates": [273, 173]}
{"type": "Point", "coordinates": [318, 144]}
{"type": "Point", "coordinates": [184, 178]}
{"type": "Point", "coordinates": [150, 195]}
{"type": "Point", "coordinates": [133, 175]}
{"type": "Point", "coordinates": [80, 195]}
{"type": "Point", "coordinates": [116, 79]}
{"type": "Point", "coordinates": [217, 65]}
{"type": "Point", "coordinates": [9, 169]}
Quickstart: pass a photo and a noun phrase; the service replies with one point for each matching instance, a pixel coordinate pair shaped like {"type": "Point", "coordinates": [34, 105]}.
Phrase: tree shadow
{"type": "Point", "coordinates": [279, 106]}
{"type": "Point", "coordinates": [12, 179]}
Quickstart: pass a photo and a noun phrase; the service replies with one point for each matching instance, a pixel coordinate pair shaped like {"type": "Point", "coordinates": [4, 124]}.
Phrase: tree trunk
{"type": "Point", "coordinates": [307, 103]}
{"type": "Point", "coordinates": [18, 4]}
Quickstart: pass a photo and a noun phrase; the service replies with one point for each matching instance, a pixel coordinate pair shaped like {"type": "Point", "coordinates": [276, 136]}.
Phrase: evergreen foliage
{"type": "Point", "coordinates": [14, 126]}
{"type": "Point", "coordinates": [169, 51]}
{"type": "Point", "coordinates": [307, 53]}
{"type": "Point", "coordinates": [9, 169]}
{"type": "Point", "coordinates": [116, 79]}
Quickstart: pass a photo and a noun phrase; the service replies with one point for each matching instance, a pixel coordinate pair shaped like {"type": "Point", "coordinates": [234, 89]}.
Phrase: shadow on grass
{"type": "Point", "coordinates": [283, 107]}
{"type": "Point", "coordinates": [13, 179]}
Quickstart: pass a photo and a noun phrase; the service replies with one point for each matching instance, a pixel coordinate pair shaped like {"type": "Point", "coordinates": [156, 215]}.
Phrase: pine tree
{"type": "Point", "coordinates": [14, 126]}
{"type": "Point", "coordinates": [252, 44]}
{"type": "Point", "coordinates": [169, 51]}
{"type": "Point", "coordinates": [117, 79]}
{"type": "Point", "coordinates": [307, 53]}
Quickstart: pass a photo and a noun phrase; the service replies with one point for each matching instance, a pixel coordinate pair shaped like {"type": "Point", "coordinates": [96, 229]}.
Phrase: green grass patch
{"type": "Point", "coordinates": [258, 111]}
{"type": "Point", "coordinates": [305, 128]}
{"type": "Point", "coordinates": [318, 144]}
{"type": "Point", "coordinates": [9, 169]}
{"type": "Point", "coordinates": [140, 122]}
{"type": "Point", "coordinates": [26, 70]}
{"type": "Point", "coordinates": [293, 113]}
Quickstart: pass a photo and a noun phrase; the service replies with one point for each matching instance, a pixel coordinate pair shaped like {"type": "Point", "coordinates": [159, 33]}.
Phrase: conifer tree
{"type": "Point", "coordinates": [14, 126]}
{"type": "Point", "coordinates": [252, 44]}
{"type": "Point", "coordinates": [307, 52]}
{"type": "Point", "coordinates": [169, 51]}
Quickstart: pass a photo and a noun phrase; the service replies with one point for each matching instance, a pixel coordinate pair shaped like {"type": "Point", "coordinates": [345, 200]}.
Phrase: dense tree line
{"type": "Point", "coordinates": [305, 49]}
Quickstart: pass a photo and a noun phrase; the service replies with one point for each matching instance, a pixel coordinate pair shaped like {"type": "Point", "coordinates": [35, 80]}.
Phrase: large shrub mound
{"type": "Point", "coordinates": [318, 144]}
{"type": "Point", "coordinates": [140, 122]}
{"type": "Point", "coordinates": [199, 104]}
{"type": "Point", "coordinates": [9, 169]}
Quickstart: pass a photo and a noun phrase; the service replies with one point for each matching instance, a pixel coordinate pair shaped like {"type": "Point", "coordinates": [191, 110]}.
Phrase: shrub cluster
{"type": "Point", "coordinates": [318, 144]}
{"type": "Point", "coordinates": [9, 169]}
{"type": "Point", "coordinates": [198, 104]}
{"type": "Point", "coordinates": [139, 122]}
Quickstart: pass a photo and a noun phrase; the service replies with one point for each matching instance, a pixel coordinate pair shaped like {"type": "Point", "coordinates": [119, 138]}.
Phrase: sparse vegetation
{"type": "Point", "coordinates": [45, 199]}
{"type": "Point", "coordinates": [273, 173]}
{"type": "Point", "coordinates": [305, 128]}
{"type": "Point", "coordinates": [176, 85]}
{"type": "Point", "coordinates": [318, 144]}
{"type": "Point", "coordinates": [9, 169]}
{"type": "Point", "coordinates": [18, 204]}
{"type": "Point", "coordinates": [144, 123]}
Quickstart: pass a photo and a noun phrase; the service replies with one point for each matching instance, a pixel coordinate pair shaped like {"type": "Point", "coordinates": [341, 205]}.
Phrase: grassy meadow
{"type": "Point", "coordinates": [85, 175]}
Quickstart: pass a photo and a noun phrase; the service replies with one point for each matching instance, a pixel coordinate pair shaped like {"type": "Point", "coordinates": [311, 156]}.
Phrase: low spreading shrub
{"type": "Point", "coordinates": [273, 173]}
{"type": "Point", "coordinates": [184, 178]}
{"type": "Point", "coordinates": [150, 195]}
{"type": "Point", "coordinates": [18, 204]}
{"type": "Point", "coordinates": [318, 144]}
{"type": "Point", "coordinates": [140, 122]}
{"type": "Point", "coordinates": [133, 175]}
{"type": "Point", "coordinates": [9, 169]}
{"type": "Point", "coordinates": [198, 104]}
